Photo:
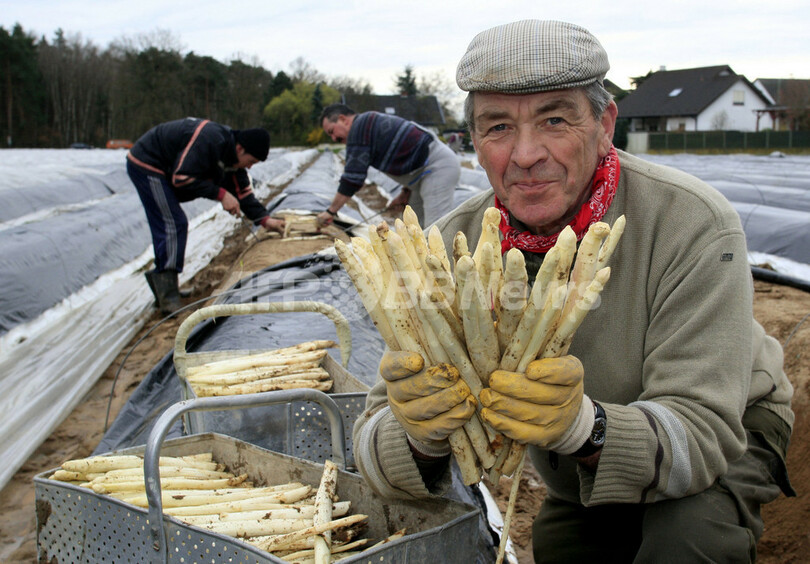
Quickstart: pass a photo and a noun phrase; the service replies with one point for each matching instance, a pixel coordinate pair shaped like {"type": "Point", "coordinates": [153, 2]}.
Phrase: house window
{"type": "Point", "coordinates": [739, 97]}
{"type": "Point", "coordinates": [675, 92]}
{"type": "Point", "coordinates": [390, 111]}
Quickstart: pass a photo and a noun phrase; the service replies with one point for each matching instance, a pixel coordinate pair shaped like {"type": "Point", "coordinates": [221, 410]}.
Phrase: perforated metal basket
{"type": "Point", "coordinates": [79, 526]}
{"type": "Point", "coordinates": [299, 428]}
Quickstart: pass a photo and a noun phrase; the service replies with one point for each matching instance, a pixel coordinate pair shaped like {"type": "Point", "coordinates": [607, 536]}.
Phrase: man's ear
{"type": "Point", "coordinates": [608, 123]}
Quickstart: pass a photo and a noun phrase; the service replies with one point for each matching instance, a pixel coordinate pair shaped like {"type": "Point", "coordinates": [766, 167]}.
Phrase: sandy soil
{"type": "Point", "coordinates": [780, 309]}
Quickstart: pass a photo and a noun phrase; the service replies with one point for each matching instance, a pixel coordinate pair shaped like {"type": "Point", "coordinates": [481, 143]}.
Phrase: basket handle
{"type": "Point", "coordinates": [151, 458]}
{"type": "Point", "coordinates": [224, 310]}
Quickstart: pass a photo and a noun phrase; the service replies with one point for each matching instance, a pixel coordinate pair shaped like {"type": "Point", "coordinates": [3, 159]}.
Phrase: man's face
{"type": "Point", "coordinates": [243, 158]}
{"type": "Point", "coordinates": [540, 152]}
{"type": "Point", "coordinates": [338, 130]}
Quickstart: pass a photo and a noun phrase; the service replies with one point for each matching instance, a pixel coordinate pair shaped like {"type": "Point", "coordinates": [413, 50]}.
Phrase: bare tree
{"type": "Point", "coordinates": [73, 71]}
{"type": "Point", "coordinates": [302, 71]}
{"type": "Point", "coordinates": [720, 121]}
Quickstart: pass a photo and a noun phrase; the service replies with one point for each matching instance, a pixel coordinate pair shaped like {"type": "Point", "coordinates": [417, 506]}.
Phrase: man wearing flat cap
{"type": "Point", "coordinates": [665, 428]}
{"type": "Point", "coordinates": [182, 160]}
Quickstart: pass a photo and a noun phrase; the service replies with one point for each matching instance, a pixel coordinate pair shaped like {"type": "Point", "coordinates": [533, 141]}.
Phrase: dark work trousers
{"type": "Point", "coordinates": [721, 524]}
{"type": "Point", "coordinates": [167, 221]}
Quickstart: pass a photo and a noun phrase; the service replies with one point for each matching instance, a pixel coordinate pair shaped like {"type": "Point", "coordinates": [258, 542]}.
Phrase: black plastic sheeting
{"type": "Point", "coordinates": [770, 193]}
{"type": "Point", "coordinates": [91, 222]}
{"type": "Point", "coordinates": [316, 277]}
{"type": "Point", "coordinates": [44, 262]}
{"type": "Point", "coordinates": [770, 276]}
{"type": "Point", "coordinates": [75, 185]}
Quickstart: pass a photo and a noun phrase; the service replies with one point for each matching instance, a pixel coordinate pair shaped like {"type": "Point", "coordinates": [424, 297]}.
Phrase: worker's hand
{"type": "Point", "coordinates": [429, 403]}
{"type": "Point", "coordinates": [325, 218]}
{"type": "Point", "coordinates": [544, 407]}
{"type": "Point", "coordinates": [273, 224]}
{"type": "Point", "coordinates": [230, 204]}
{"type": "Point", "coordinates": [401, 200]}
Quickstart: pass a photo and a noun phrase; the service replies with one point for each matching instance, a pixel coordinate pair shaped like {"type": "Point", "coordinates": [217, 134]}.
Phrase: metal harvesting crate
{"type": "Point", "coordinates": [299, 428]}
{"type": "Point", "coordinates": [76, 525]}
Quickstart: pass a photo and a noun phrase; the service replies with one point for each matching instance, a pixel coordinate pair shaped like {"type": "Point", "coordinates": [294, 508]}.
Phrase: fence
{"type": "Point", "coordinates": [728, 140]}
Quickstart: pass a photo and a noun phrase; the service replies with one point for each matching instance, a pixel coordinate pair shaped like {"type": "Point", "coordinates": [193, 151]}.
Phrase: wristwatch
{"type": "Point", "coordinates": [330, 212]}
{"type": "Point", "coordinates": [597, 437]}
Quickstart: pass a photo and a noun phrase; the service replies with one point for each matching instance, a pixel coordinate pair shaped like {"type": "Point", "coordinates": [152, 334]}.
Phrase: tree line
{"type": "Point", "coordinates": [66, 90]}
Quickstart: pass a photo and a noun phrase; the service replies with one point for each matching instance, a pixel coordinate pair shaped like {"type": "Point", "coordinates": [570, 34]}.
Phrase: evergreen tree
{"type": "Point", "coordinates": [406, 82]}
{"type": "Point", "coordinates": [317, 104]}
{"type": "Point", "coordinates": [23, 114]}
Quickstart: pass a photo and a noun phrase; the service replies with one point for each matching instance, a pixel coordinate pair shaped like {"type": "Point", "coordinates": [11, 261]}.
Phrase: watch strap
{"type": "Point", "coordinates": [597, 436]}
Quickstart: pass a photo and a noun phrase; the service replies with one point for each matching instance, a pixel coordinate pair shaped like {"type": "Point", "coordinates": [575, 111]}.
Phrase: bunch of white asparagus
{"type": "Point", "coordinates": [292, 521]}
{"type": "Point", "coordinates": [298, 366]}
{"type": "Point", "coordinates": [480, 316]}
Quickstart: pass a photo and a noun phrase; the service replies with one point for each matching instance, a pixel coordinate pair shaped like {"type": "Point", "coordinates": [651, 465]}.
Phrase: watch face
{"type": "Point", "coordinates": [598, 433]}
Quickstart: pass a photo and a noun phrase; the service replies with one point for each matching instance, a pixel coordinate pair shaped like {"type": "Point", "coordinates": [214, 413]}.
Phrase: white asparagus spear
{"type": "Point", "coordinates": [257, 527]}
{"type": "Point", "coordinates": [114, 462]}
{"type": "Point", "coordinates": [255, 361]}
{"type": "Point", "coordinates": [252, 374]}
{"type": "Point", "coordinates": [443, 294]}
{"type": "Point", "coordinates": [262, 503]}
{"type": "Point", "coordinates": [292, 353]}
{"type": "Point", "coordinates": [268, 386]}
{"type": "Point", "coordinates": [479, 331]}
{"type": "Point", "coordinates": [510, 510]}
{"type": "Point", "coordinates": [372, 301]}
{"type": "Point", "coordinates": [403, 324]}
{"type": "Point", "coordinates": [371, 263]}
{"type": "Point", "coordinates": [584, 267]}
{"type": "Point", "coordinates": [609, 244]}
{"type": "Point", "coordinates": [564, 334]}
{"type": "Point", "coordinates": [345, 548]}
{"type": "Point", "coordinates": [323, 511]}
{"type": "Point", "coordinates": [520, 338]}
{"type": "Point", "coordinates": [457, 353]}
{"type": "Point", "coordinates": [129, 474]}
{"type": "Point", "coordinates": [544, 328]}
{"type": "Point", "coordinates": [436, 246]}
{"type": "Point", "coordinates": [282, 541]}
{"type": "Point", "coordinates": [489, 233]}
{"type": "Point", "coordinates": [191, 497]}
{"type": "Point", "coordinates": [339, 509]}
{"type": "Point", "coordinates": [513, 297]}
{"type": "Point", "coordinates": [379, 252]}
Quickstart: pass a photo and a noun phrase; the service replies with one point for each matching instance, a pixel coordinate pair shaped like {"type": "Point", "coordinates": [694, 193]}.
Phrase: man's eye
{"type": "Point", "coordinates": [555, 121]}
{"type": "Point", "coordinates": [498, 127]}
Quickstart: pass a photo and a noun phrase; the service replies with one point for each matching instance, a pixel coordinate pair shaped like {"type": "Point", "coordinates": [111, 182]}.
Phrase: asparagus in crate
{"type": "Point", "coordinates": [294, 521]}
{"type": "Point", "coordinates": [298, 366]}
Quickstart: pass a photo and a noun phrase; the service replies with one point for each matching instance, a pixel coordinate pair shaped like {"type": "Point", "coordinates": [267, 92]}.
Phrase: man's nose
{"type": "Point", "coordinates": [530, 147]}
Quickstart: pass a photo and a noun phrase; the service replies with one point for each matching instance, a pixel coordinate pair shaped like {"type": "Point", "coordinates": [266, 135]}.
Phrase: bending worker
{"type": "Point", "coordinates": [427, 169]}
{"type": "Point", "coordinates": [665, 429]}
{"type": "Point", "coordinates": [183, 160]}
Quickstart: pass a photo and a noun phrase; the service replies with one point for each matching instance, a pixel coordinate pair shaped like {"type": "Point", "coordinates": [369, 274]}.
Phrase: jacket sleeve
{"type": "Point", "coordinates": [239, 184]}
{"type": "Point", "coordinates": [382, 453]}
{"type": "Point", "coordinates": [355, 170]}
{"type": "Point", "coordinates": [686, 424]}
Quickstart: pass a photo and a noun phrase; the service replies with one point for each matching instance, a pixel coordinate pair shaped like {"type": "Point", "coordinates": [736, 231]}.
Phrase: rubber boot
{"type": "Point", "coordinates": [164, 287]}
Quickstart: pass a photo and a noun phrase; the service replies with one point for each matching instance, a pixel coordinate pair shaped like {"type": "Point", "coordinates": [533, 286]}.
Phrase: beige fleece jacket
{"type": "Point", "coordinates": [672, 352]}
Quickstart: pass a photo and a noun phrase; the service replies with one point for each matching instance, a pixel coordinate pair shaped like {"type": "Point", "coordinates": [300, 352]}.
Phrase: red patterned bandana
{"type": "Point", "coordinates": [603, 188]}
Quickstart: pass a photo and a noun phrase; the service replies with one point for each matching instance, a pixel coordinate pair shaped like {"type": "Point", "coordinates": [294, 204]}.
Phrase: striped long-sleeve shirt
{"type": "Point", "coordinates": [390, 144]}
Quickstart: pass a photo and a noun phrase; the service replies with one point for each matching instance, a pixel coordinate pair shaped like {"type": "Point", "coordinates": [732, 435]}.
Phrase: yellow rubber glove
{"type": "Point", "coordinates": [544, 407]}
{"type": "Point", "coordinates": [429, 403]}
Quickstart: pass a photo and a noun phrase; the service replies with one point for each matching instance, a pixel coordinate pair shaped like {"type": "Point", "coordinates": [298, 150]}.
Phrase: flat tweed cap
{"type": "Point", "coordinates": [532, 56]}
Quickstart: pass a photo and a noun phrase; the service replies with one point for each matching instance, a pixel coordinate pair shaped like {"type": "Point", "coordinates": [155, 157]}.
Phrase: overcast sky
{"type": "Point", "coordinates": [375, 39]}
